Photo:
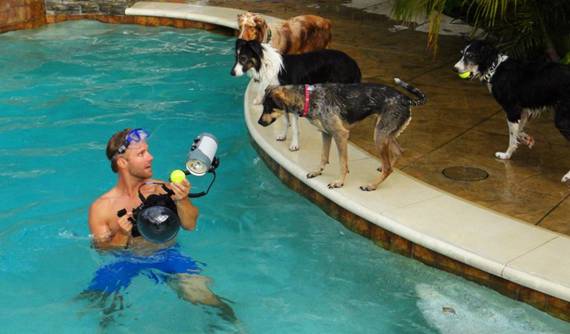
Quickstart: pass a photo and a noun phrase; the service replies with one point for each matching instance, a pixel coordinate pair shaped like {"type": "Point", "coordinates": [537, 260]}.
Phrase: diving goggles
{"type": "Point", "coordinates": [135, 135]}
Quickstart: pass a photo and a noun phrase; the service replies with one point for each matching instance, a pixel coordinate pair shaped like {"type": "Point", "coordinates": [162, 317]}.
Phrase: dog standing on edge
{"type": "Point", "coordinates": [299, 34]}
{"type": "Point", "coordinates": [522, 89]}
{"type": "Point", "coordinates": [334, 108]}
{"type": "Point", "coordinates": [269, 68]}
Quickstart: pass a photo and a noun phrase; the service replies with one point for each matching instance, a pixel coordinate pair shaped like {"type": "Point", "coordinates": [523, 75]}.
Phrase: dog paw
{"type": "Point", "coordinates": [313, 174]}
{"type": "Point", "coordinates": [368, 187]}
{"type": "Point", "coordinates": [566, 178]}
{"type": "Point", "coordinates": [502, 155]}
{"type": "Point", "coordinates": [335, 184]}
{"type": "Point", "coordinates": [293, 147]}
{"type": "Point", "coordinates": [280, 138]}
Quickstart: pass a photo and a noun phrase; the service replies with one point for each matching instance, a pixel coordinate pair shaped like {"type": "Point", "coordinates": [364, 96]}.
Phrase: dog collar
{"type": "Point", "coordinates": [487, 77]}
{"type": "Point", "coordinates": [308, 90]}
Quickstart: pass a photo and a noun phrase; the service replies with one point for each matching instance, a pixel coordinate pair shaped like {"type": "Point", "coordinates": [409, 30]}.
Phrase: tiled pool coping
{"type": "Point", "coordinates": [405, 215]}
{"type": "Point", "coordinates": [411, 218]}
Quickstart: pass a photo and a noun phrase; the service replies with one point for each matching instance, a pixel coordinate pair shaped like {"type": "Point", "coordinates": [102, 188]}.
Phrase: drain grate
{"type": "Point", "coordinates": [463, 173]}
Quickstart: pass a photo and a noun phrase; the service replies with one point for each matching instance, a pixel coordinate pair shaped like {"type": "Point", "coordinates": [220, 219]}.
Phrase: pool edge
{"type": "Point", "coordinates": [394, 242]}
{"type": "Point", "coordinates": [385, 238]}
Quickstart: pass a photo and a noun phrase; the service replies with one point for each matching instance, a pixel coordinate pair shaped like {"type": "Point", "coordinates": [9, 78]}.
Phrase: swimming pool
{"type": "Point", "coordinates": [285, 266]}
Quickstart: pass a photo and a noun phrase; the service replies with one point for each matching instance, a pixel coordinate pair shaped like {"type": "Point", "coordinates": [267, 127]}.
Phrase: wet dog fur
{"type": "Point", "coordinates": [297, 35]}
{"type": "Point", "coordinates": [265, 65]}
{"type": "Point", "coordinates": [522, 89]}
{"type": "Point", "coordinates": [335, 108]}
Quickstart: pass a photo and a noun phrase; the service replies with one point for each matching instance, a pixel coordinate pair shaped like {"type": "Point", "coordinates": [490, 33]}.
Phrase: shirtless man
{"type": "Point", "coordinates": [130, 158]}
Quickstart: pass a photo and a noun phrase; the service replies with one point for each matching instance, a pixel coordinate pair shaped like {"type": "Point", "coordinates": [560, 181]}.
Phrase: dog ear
{"type": "Point", "coordinates": [256, 48]}
{"type": "Point", "coordinates": [260, 26]}
{"type": "Point", "coordinates": [258, 20]}
{"type": "Point", "coordinates": [488, 49]}
{"type": "Point", "coordinates": [239, 43]}
{"type": "Point", "coordinates": [277, 93]}
{"type": "Point", "coordinates": [274, 98]}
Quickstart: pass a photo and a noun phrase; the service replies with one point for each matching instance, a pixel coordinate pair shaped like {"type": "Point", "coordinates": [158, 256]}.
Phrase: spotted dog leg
{"type": "Point", "coordinates": [258, 100]}
{"type": "Point", "coordinates": [562, 122]}
{"type": "Point", "coordinates": [325, 152]}
{"type": "Point", "coordinates": [283, 134]}
{"type": "Point", "coordinates": [294, 132]}
{"type": "Point", "coordinates": [525, 138]}
{"type": "Point", "coordinates": [514, 132]}
{"type": "Point", "coordinates": [341, 141]}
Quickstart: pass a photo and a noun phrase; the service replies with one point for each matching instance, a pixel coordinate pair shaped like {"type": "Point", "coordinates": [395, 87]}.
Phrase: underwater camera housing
{"type": "Point", "coordinates": [153, 219]}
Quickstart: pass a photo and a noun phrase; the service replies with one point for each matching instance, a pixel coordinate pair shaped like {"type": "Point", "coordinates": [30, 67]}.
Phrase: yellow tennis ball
{"type": "Point", "coordinates": [177, 176]}
{"type": "Point", "coordinates": [464, 75]}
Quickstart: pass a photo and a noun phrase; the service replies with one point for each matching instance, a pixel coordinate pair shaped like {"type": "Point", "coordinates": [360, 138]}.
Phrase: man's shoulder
{"type": "Point", "coordinates": [103, 202]}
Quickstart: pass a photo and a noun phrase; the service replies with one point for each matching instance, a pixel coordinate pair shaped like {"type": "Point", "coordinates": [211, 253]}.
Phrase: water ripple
{"type": "Point", "coordinates": [29, 174]}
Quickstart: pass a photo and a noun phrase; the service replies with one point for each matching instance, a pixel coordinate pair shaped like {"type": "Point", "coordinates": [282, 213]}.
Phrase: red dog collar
{"type": "Point", "coordinates": [308, 90]}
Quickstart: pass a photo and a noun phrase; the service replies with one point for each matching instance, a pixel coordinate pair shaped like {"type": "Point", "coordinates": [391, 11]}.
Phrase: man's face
{"type": "Point", "coordinates": [139, 160]}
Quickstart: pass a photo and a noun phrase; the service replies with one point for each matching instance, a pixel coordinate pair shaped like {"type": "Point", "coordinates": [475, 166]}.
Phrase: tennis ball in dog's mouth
{"type": "Point", "coordinates": [464, 75]}
{"type": "Point", "coordinates": [177, 176]}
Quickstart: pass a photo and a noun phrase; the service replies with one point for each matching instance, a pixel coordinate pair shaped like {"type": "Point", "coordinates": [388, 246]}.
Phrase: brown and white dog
{"type": "Point", "coordinates": [334, 108]}
{"type": "Point", "coordinates": [297, 35]}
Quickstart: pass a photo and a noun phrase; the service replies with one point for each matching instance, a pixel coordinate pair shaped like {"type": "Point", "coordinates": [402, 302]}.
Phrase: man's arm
{"type": "Point", "coordinates": [187, 212]}
{"type": "Point", "coordinates": [103, 235]}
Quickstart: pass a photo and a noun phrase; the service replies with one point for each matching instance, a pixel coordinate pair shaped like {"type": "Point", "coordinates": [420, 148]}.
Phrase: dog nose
{"type": "Point", "coordinates": [233, 72]}
{"type": "Point", "coordinates": [455, 69]}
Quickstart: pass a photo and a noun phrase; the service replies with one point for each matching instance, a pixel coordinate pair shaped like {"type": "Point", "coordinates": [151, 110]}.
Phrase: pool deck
{"type": "Point", "coordinates": [404, 207]}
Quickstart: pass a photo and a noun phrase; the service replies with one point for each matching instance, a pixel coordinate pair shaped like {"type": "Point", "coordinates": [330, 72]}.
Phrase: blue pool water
{"type": "Point", "coordinates": [285, 266]}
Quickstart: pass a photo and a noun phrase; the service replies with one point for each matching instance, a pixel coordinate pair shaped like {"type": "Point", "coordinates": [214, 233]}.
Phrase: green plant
{"type": "Point", "coordinates": [524, 28]}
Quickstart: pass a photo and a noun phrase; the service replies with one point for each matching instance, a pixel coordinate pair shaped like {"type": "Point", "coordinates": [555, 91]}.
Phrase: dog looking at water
{"type": "Point", "coordinates": [297, 35]}
{"type": "Point", "coordinates": [265, 65]}
{"type": "Point", "coordinates": [334, 108]}
{"type": "Point", "coordinates": [522, 89]}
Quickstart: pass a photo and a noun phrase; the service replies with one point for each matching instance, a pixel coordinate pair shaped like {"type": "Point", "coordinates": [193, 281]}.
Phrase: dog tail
{"type": "Point", "coordinates": [421, 98]}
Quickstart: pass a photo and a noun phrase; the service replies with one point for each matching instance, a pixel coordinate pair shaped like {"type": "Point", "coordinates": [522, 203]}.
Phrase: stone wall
{"type": "Point", "coordinates": [91, 7]}
{"type": "Point", "coordinates": [87, 7]}
{"type": "Point", "coordinates": [21, 14]}
{"type": "Point", "coordinates": [113, 11]}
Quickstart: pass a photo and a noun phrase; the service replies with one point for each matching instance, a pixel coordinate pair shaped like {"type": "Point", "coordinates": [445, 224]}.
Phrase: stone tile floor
{"type": "Point", "coordinates": [461, 125]}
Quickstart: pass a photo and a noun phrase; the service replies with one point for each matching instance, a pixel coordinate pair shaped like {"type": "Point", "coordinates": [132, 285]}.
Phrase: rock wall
{"type": "Point", "coordinates": [21, 14]}
{"type": "Point", "coordinates": [92, 7]}
{"type": "Point", "coordinates": [87, 7]}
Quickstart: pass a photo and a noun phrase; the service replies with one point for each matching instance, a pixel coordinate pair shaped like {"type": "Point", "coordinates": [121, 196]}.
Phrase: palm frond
{"type": "Point", "coordinates": [523, 27]}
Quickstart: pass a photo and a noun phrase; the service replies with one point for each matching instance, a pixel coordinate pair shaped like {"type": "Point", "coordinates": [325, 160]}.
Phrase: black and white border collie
{"type": "Point", "coordinates": [522, 89]}
{"type": "Point", "coordinates": [266, 66]}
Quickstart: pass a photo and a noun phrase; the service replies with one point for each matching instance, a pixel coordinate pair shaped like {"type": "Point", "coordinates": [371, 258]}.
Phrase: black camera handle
{"type": "Point", "coordinates": [203, 193]}
{"type": "Point", "coordinates": [123, 211]}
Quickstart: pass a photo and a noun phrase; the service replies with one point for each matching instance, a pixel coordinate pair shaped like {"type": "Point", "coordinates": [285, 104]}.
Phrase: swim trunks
{"type": "Point", "coordinates": [158, 266]}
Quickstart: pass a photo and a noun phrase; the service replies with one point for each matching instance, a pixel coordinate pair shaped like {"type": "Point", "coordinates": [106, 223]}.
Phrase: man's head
{"type": "Point", "coordinates": [128, 151]}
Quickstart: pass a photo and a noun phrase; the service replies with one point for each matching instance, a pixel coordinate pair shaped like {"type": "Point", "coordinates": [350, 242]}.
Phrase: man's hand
{"type": "Point", "coordinates": [181, 190]}
{"type": "Point", "coordinates": [125, 225]}
{"type": "Point", "coordinates": [187, 212]}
